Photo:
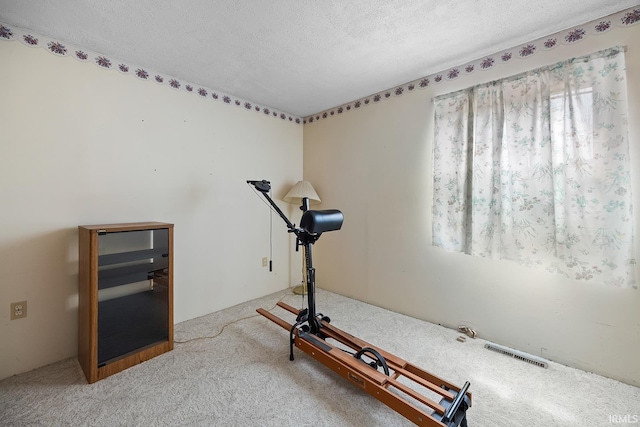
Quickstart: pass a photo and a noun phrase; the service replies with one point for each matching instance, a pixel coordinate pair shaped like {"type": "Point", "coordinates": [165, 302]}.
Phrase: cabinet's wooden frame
{"type": "Point", "coordinates": [88, 302]}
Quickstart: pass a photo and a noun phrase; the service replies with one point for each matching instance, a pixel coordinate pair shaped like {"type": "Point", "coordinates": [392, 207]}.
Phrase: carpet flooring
{"type": "Point", "coordinates": [231, 368]}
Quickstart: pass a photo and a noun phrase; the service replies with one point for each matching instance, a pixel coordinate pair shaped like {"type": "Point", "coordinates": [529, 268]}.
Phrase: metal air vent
{"type": "Point", "coordinates": [534, 360]}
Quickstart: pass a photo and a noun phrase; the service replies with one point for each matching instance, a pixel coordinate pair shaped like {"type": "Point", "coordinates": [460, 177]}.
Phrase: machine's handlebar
{"type": "Point", "coordinates": [262, 185]}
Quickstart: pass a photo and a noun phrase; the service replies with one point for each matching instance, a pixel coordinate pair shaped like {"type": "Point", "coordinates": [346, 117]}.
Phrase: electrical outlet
{"type": "Point", "coordinates": [18, 310]}
{"type": "Point", "coordinates": [265, 262]}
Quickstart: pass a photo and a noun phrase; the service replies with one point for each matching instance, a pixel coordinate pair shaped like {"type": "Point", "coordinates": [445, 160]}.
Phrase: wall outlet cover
{"type": "Point", "coordinates": [18, 310]}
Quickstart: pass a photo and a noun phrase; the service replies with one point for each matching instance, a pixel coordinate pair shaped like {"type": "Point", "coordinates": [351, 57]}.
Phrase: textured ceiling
{"type": "Point", "coordinates": [301, 57]}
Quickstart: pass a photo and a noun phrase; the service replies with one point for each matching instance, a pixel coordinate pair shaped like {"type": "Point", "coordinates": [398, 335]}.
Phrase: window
{"type": "Point", "coordinates": [535, 169]}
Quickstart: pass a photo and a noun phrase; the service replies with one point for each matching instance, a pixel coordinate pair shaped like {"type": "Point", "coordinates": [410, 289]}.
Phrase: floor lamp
{"type": "Point", "coordinates": [303, 193]}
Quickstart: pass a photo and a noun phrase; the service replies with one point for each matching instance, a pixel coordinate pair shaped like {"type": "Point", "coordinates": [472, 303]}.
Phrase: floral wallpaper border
{"type": "Point", "coordinates": [621, 19]}
{"type": "Point", "coordinates": [60, 48]}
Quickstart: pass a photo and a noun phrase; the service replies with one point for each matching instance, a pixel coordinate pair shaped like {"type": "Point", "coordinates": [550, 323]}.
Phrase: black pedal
{"type": "Point", "coordinates": [302, 316]}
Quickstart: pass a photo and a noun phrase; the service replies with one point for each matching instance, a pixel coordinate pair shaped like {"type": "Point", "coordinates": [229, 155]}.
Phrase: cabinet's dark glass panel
{"type": "Point", "coordinates": [128, 321]}
{"type": "Point", "coordinates": [131, 322]}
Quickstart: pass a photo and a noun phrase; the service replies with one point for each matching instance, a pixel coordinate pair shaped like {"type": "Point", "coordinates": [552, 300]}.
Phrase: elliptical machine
{"type": "Point", "coordinates": [312, 330]}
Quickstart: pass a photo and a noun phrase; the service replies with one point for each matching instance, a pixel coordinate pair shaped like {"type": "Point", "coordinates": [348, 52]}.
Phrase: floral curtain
{"type": "Point", "coordinates": [535, 169]}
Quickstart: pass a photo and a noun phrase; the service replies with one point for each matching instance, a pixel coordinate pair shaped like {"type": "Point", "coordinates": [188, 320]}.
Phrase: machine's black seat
{"type": "Point", "coordinates": [315, 222]}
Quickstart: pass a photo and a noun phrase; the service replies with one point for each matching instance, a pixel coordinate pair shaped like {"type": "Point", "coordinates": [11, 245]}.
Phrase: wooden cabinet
{"type": "Point", "coordinates": [125, 287]}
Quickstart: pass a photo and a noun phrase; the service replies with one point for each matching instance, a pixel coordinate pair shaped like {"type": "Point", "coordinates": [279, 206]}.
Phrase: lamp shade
{"type": "Point", "coordinates": [301, 190]}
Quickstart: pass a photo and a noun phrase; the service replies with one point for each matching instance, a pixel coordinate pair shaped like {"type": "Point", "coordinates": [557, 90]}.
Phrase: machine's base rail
{"type": "Point", "coordinates": [448, 411]}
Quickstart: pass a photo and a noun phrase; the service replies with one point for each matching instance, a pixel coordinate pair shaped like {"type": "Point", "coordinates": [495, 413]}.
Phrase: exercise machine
{"type": "Point", "coordinates": [370, 368]}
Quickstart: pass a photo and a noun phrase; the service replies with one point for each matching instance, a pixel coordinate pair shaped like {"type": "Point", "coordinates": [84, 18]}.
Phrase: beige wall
{"type": "Point", "coordinates": [375, 164]}
{"type": "Point", "coordinates": [81, 145]}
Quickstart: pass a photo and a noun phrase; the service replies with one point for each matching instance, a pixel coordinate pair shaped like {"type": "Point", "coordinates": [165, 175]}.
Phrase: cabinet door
{"type": "Point", "coordinates": [133, 291]}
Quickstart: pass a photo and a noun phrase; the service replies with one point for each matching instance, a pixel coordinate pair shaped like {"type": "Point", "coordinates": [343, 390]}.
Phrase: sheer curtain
{"type": "Point", "coordinates": [535, 169]}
